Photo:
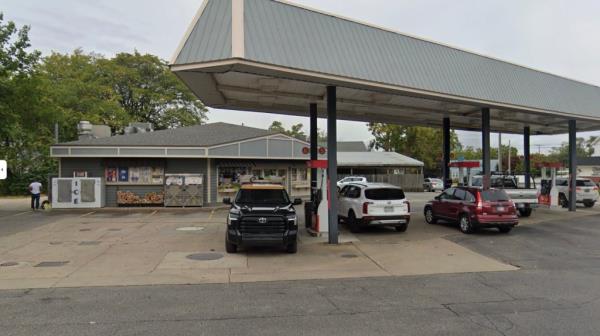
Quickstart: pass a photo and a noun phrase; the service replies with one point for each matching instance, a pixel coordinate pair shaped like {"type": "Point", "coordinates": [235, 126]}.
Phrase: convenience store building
{"type": "Point", "coordinates": [137, 169]}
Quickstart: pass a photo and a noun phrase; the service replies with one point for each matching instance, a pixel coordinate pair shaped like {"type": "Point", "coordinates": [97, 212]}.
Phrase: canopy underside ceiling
{"type": "Point", "coordinates": [243, 90]}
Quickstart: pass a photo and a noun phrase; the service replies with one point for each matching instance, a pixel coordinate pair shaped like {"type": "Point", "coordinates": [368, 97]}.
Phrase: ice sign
{"type": "Point", "coordinates": [2, 170]}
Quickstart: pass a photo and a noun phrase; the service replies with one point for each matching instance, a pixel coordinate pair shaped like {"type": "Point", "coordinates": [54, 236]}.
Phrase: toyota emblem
{"type": "Point", "coordinates": [262, 220]}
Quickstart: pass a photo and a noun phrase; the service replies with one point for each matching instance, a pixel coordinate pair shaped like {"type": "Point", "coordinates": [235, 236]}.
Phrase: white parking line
{"type": "Point", "coordinates": [20, 213]}
{"type": "Point", "coordinates": [87, 214]}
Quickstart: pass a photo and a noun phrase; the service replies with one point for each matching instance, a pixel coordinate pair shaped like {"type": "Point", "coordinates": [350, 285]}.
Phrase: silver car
{"type": "Point", "coordinates": [433, 184]}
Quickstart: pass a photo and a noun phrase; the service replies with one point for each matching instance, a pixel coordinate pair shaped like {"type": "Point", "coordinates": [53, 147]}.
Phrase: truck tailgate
{"type": "Point", "coordinates": [528, 196]}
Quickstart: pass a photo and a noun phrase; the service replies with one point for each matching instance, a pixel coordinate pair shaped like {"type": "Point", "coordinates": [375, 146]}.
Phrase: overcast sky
{"type": "Point", "coordinates": [557, 36]}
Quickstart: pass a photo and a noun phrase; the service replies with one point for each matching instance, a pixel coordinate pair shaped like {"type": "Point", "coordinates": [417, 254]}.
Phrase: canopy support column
{"type": "Point", "coordinates": [572, 165]}
{"type": "Point", "coordinates": [332, 162]}
{"type": "Point", "coordinates": [313, 149]}
{"type": "Point", "coordinates": [485, 147]}
{"type": "Point", "coordinates": [527, 156]}
{"type": "Point", "coordinates": [446, 153]}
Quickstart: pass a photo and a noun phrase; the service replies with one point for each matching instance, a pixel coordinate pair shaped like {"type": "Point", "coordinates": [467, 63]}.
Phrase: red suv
{"type": "Point", "coordinates": [473, 208]}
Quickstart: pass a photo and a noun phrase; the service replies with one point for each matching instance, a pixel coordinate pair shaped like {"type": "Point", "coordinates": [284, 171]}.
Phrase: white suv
{"type": "Point", "coordinates": [373, 204]}
{"type": "Point", "coordinates": [586, 189]}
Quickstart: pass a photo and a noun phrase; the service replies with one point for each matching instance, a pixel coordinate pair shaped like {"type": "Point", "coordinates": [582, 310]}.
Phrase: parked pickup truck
{"type": "Point", "coordinates": [525, 199]}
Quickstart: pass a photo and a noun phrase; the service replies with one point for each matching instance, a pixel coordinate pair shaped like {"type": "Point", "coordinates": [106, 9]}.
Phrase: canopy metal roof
{"type": "Point", "coordinates": [274, 56]}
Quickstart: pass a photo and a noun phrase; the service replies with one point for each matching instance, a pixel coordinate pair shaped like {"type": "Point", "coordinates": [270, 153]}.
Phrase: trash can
{"type": "Point", "coordinates": [308, 211]}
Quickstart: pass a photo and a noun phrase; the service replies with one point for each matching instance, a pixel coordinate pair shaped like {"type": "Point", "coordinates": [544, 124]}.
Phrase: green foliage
{"type": "Point", "coordinates": [561, 154]}
{"type": "Point", "coordinates": [421, 143]}
{"type": "Point", "coordinates": [23, 143]}
{"type": "Point", "coordinates": [150, 92]}
{"type": "Point", "coordinates": [37, 93]}
{"type": "Point", "coordinates": [295, 131]}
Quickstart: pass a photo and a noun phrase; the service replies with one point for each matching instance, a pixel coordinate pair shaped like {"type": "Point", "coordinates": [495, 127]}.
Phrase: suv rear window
{"type": "Point", "coordinates": [384, 194]}
{"type": "Point", "coordinates": [262, 196]}
{"type": "Point", "coordinates": [494, 195]}
{"type": "Point", "coordinates": [585, 183]}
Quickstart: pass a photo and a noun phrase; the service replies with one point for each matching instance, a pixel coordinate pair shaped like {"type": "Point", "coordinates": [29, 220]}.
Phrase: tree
{"type": "Point", "coordinates": [421, 143]}
{"type": "Point", "coordinates": [150, 92]}
{"type": "Point", "coordinates": [295, 131]}
{"type": "Point", "coordinates": [23, 111]}
{"type": "Point", "coordinates": [36, 94]}
{"type": "Point", "coordinates": [472, 153]}
{"type": "Point", "coordinates": [77, 89]}
{"type": "Point", "coordinates": [584, 148]}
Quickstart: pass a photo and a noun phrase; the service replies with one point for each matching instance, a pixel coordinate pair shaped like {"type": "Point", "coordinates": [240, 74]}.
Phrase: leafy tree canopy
{"type": "Point", "coordinates": [421, 143]}
{"type": "Point", "coordinates": [295, 131]}
{"type": "Point", "coordinates": [36, 93]}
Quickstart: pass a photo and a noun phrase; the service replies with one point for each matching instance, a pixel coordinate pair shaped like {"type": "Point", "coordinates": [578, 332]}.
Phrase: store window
{"type": "Point", "coordinates": [229, 180]}
{"type": "Point", "coordinates": [143, 175]}
{"type": "Point", "coordinates": [300, 181]}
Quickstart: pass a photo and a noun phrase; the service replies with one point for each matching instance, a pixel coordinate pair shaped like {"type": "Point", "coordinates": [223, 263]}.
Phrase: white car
{"type": "Point", "coordinates": [350, 179]}
{"type": "Point", "coordinates": [373, 204]}
{"type": "Point", "coordinates": [586, 189]}
{"type": "Point", "coordinates": [433, 184]}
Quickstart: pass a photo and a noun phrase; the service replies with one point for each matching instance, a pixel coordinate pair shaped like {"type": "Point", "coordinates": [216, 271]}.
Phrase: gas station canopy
{"type": "Point", "coordinates": [278, 57]}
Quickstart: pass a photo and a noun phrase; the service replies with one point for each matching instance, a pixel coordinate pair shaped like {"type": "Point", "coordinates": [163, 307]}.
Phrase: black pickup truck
{"type": "Point", "coordinates": [262, 215]}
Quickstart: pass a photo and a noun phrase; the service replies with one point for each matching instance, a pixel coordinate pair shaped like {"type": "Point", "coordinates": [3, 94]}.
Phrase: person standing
{"type": "Point", "coordinates": [35, 188]}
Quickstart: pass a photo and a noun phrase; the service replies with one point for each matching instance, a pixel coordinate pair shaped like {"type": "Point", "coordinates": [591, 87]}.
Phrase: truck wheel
{"type": "Point", "coordinates": [429, 217]}
{"type": "Point", "coordinates": [504, 229]}
{"type": "Point", "coordinates": [229, 247]}
{"type": "Point", "coordinates": [352, 222]}
{"type": "Point", "coordinates": [402, 227]}
{"type": "Point", "coordinates": [526, 212]}
{"type": "Point", "coordinates": [588, 204]}
{"type": "Point", "coordinates": [465, 225]}
{"type": "Point", "coordinates": [292, 248]}
{"type": "Point", "coordinates": [562, 200]}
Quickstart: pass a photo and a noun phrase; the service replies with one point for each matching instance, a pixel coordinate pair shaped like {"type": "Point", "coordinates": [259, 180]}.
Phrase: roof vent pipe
{"type": "Point", "coordinates": [84, 130]}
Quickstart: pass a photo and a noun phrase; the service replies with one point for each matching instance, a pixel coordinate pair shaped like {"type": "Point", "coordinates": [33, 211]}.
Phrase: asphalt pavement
{"type": "Point", "coordinates": [556, 292]}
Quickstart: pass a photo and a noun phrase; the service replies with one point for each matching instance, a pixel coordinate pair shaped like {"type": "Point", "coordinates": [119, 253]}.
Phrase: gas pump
{"type": "Point", "coordinates": [462, 165]}
{"type": "Point", "coordinates": [548, 195]}
{"type": "Point", "coordinates": [319, 222]}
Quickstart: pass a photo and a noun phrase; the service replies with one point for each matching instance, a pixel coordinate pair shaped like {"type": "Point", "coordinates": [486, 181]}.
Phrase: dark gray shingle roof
{"type": "Point", "coordinates": [192, 136]}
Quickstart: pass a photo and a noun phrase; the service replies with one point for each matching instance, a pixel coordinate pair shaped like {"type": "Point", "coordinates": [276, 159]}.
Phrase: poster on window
{"type": "Point", "coordinates": [144, 175]}
{"type": "Point", "coordinates": [111, 175]}
{"type": "Point", "coordinates": [157, 174]}
{"type": "Point", "coordinates": [123, 174]}
{"type": "Point", "coordinates": [134, 175]}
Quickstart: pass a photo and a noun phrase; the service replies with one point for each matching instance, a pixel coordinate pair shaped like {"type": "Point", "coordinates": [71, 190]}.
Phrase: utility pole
{"type": "Point", "coordinates": [509, 150]}
{"type": "Point", "coordinates": [499, 152]}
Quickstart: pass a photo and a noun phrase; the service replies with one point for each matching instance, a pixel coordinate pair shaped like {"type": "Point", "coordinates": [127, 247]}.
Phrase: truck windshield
{"type": "Point", "coordinates": [262, 196]}
{"type": "Point", "coordinates": [384, 194]}
{"type": "Point", "coordinates": [494, 195]}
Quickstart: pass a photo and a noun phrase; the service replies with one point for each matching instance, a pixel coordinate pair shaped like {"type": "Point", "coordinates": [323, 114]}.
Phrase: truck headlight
{"type": "Point", "coordinates": [233, 217]}
{"type": "Point", "coordinates": [292, 219]}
